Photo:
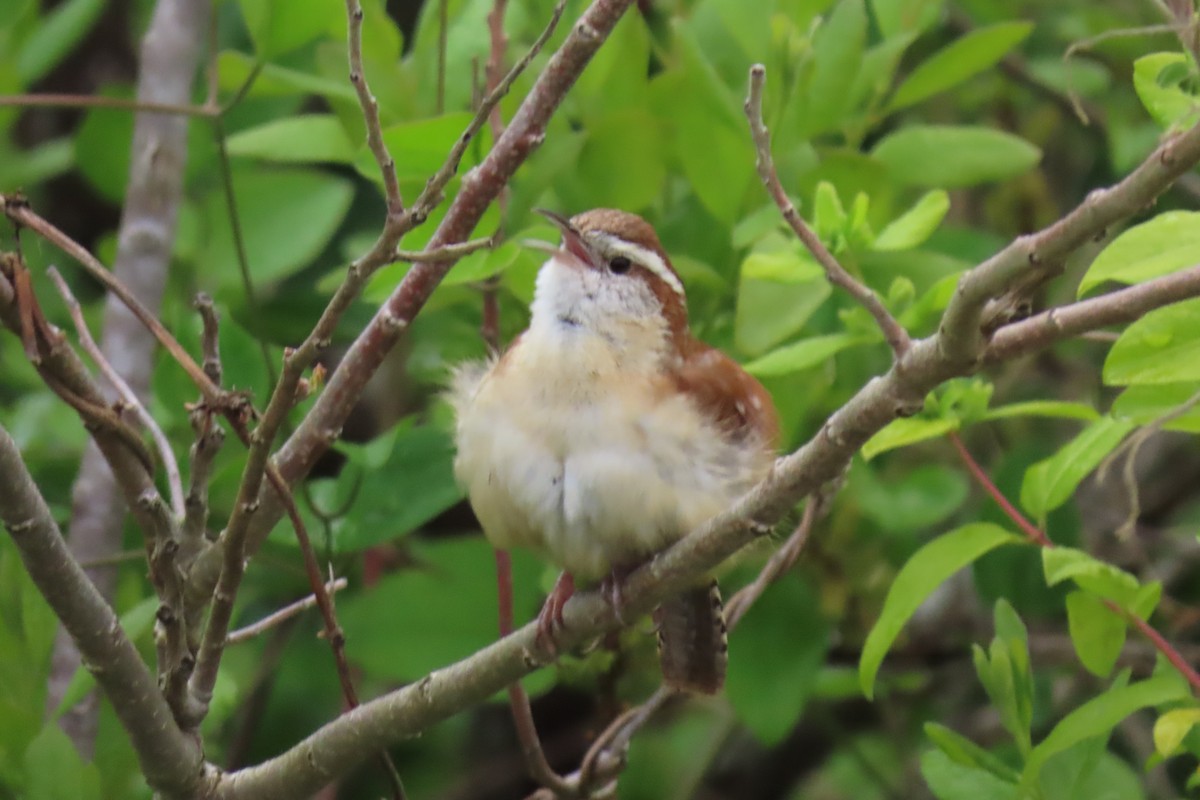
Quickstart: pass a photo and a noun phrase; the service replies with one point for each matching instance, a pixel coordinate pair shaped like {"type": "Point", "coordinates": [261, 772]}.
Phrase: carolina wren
{"type": "Point", "coordinates": [607, 432]}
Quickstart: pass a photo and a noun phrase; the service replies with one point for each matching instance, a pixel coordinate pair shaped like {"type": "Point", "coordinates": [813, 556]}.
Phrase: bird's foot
{"type": "Point", "coordinates": [550, 620]}
{"type": "Point", "coordinates": [612, 589]}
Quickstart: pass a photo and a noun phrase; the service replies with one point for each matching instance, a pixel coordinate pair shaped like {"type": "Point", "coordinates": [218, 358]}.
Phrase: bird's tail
{"type": "Point", "coordinates": [691, 640]}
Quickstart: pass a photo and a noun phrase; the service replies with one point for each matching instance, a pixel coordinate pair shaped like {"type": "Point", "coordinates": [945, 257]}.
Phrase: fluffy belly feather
{"type": "Point", "coordinates": [593, 478]}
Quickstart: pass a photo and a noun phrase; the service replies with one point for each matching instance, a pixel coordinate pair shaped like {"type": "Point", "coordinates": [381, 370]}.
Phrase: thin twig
{"type": "Point", "coordinates": [1034, 533]}
{"type": "Point", "coordinates": [780, 562]}
{"type": "Point", "coordinates": [895, 334]}
{"type": "Point", "coordinates": [370, 111]}
{"type": "Point", "coordinates": [210, 338]}
{"type": "Point", "coordinates": [282, 615]}
{"type": "Point", "coordinates": [450, 252]}
{"type": "Point", "coordinates": [1039, 537]}
{"type": "Point", "coordinates": [16, 209]}
{"type": "Point", "coordinates": [1130, 448]}
{"type": "Point", "coordinates": [489, 327]}
{"type": "Point", "coordinates": [93, 101]}
{"type": "Point", "coordinates": [239, 240]}
{"type": "Point", "coordinates": [128, 396]}
{"type": "Point", "coordinates": [443, 33]}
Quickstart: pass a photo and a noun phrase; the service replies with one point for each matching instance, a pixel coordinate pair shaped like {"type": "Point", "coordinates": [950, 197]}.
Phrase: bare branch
{"type": "Point", "coordinates": [450, 252]}
{"type": "Point", "coordinates": [282, 615]}
{"type": "Point", "coordinates": [127, 395]}
{"type": "Point", "coordinates": [1121, 306]}
{"type": "Point", "coordinates": [16, 209]}
{"type": "Point", "coordinates": [171, 761]}
{"type": "Point", "coordinates": [209, 438]}
{"type": "Point", "coordinates": [960, 336]}
{"type": "Point", "coordinates": [94, 101]}
{"type": "Point", "coordinates": [893, 332]}
{"type": "Point", "coordinates": [211, 338]}
{"type": "Point", "coordinates": [370, 111]}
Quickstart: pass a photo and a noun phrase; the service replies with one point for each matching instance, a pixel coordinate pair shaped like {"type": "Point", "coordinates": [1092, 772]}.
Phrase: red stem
{"type": "Point", "coordinates": [1036, 534]}
{"type": "Point", "coordinates": [1039, 537]}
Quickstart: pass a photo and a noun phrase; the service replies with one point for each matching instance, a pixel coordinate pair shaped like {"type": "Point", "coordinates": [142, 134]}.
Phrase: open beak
{"type": "Point", "coordinates": [572, 240]}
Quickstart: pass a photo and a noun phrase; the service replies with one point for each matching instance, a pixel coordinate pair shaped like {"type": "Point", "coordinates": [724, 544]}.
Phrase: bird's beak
{"type": "Point", "coordinates": [572, 240]}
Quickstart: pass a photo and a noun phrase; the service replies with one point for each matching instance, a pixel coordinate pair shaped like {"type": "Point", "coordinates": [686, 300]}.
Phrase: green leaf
{"type": "Point", "coordinates": [413, 486]}
{"type": "Point", "coordinates": [829, 216]}
{"type": "Point", "coordinates": [914, 501]}
{"type": "Point", "coordinates": [419, 148]}
{"type": "Point", "coordinates": [802, 355]}
{"type": "Point", "coordinates": [950, 780]}
{"type": "Point", "coordinates": [1145, 403]}
{"type": "Point", "coordinates": [1172, 727]}
{"type": "Point", "coordinates": [784, 265]}
{"type": "Point", "coordinates": [301, 139]}
{"type": "Point", "coordinates": [1100, 715]}
{"type": "Point", "coordinates": [905, 431]}
{"type": "Point", "coordinates": [954, 156]}
{"type": "Point", "coordinates": [234, 69]}
{"type": "Point", "coordinates": [102, 146]}
{"type": "Point", "coordinates": [1167, 243]}
{"type": "Point", "coordinates": [483, 264]}
{"type": "Point", "coordinates": [279, 26]}
{"type": "Point", "coordinates": [1051, 482]}
{"type": "Point", "coordinates": [136, 622]}
{"type": "Point", "coordinates": [445, 603]}
{"type": "Point", "coordinates": [1087, 771]}
{"type": "Point", "coordinates": [956, 62]}
{"type": "Point", "coordinates": [614, 169]}
{"type": "Point", "coordinates": [1166, 102]}
{"type": "Point", "coordinates": [924, 572]}
{"type": "Point", "coordinates": [1097, 633]}
{"type": "Point", "coordinates": [1161, 347]}
{"type": "Point", "coordinates": [55, 36]}
{"type": "Point", "coordinates": [708, 129]}
{"type": "Point", "coordinates": [1004, 670]}
{"type": "Point", "coordinates": [778, 292]}
{"type": "Point", "coordinates": [287, 216]}
{"type": "Point", "coordinates": [1099, 578]}
{"type": "Point", "coordinates": [837, 50]}
{"type": "Point", "coordinates": [905, 16]}
{"type": "Point", "coordinates": [962, 750]}
{"type": "Point", "coordinates": [915, 226]}
{"type": "Point", "coordinates": [55, 771]}
{"type": "Point", "coordinates": [781, 643]}
{"type": "Point", "coordinates": [1043, 408]}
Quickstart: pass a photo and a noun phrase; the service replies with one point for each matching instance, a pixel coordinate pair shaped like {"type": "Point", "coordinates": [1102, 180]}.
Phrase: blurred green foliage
{"type": "Point", "coordinates": [917, 137]}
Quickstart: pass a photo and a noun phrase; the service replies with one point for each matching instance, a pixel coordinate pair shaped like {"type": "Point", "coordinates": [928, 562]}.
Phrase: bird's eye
{"type": "Point", "coordinates": [619, 264]}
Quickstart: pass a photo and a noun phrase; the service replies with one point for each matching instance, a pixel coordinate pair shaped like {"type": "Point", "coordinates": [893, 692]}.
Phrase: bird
{"type": "Point", "coordinates": [607, 432]}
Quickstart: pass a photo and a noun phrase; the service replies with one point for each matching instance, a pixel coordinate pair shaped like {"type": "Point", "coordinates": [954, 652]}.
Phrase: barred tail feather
{"type": "Point", "coordinates": [691, 640]}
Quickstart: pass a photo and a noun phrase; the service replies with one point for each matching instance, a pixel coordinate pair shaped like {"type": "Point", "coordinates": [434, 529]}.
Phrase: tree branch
{"type": "Point", "coordinates": [1114, 308]}
{"type": "Point", "coordinates": [171, 761]}
{"type": "Point", "coordinates": [126, 393]}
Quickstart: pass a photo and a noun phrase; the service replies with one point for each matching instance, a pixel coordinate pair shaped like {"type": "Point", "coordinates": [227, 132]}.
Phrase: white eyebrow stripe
{"type": "Point", "coordinates": [640, 255]}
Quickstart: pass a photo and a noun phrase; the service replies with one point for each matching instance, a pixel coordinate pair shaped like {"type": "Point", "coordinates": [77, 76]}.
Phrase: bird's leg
{"type": "Point", "coordinates": [550, 620]}
{"type": "Point", "coordinates": [504, 591]}
{"type": "Point", "coordinates": [612, 589]}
